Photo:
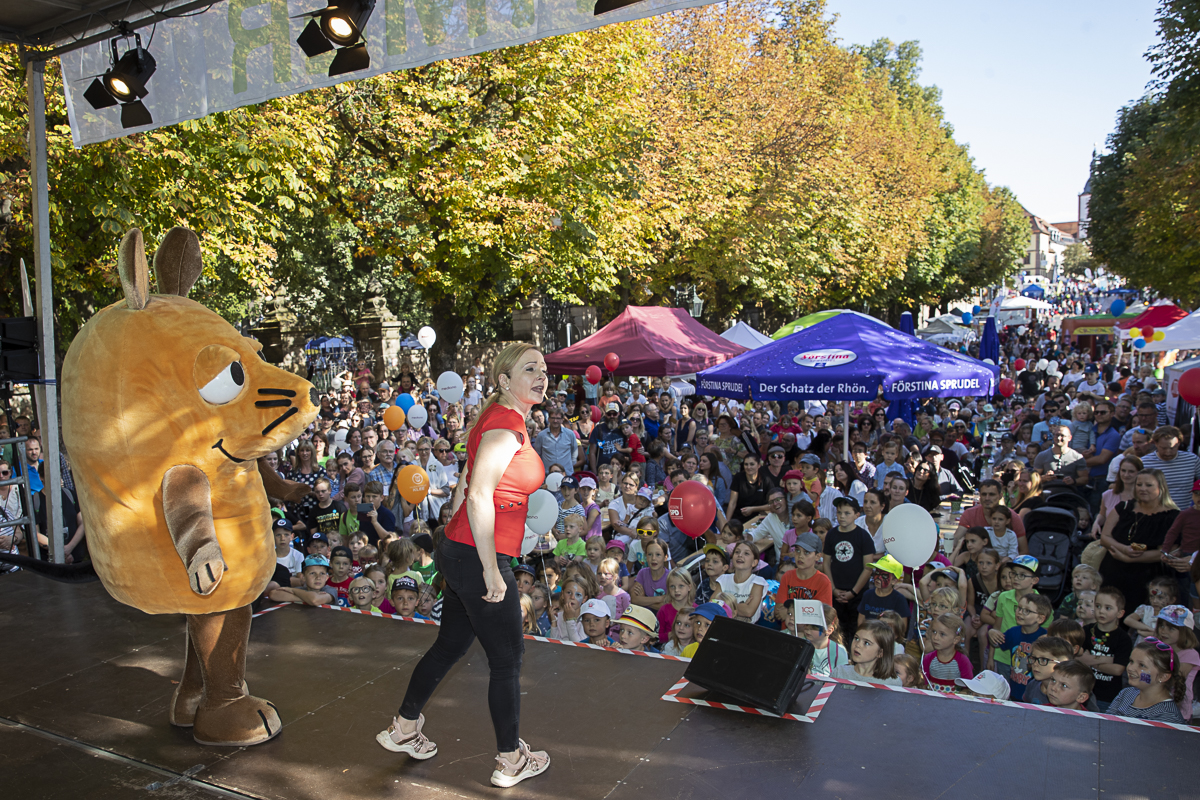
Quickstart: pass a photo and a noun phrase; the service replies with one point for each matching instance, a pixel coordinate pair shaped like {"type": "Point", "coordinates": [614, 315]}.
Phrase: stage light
{"type": "Point", "coordinates": [340, 25]}
{"type": "Point", "coordinates": [125, 83]}
{"type": "Point", "coordinates": [605, 6]}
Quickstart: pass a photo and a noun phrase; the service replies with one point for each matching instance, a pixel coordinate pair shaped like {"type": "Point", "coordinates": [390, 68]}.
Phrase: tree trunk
{"type": "Point", "coordinates": [449, 326]}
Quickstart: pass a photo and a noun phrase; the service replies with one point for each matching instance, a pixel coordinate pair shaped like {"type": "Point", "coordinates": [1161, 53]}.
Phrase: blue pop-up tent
{"type": "Point", "coordinates": [989, 343]}
{"type": "Point", "coordinates": [849, 357]}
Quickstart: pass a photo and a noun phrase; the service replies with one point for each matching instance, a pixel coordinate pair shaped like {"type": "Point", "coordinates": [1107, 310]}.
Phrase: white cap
{"type": "Point", "coordinates": [987, 683]}
{"type": "Point", "coordinates": [597, 608]}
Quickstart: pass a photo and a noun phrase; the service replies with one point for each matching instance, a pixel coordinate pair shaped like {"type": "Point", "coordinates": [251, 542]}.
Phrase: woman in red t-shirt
{"type": "Point", "coordinates": [480, 599]}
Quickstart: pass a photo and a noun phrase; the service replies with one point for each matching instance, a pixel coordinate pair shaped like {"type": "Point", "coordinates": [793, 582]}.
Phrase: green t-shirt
{"type": "Point", "coordinates": [426, 572]}
{"type": "Point", "coordinates": [565, 548]}
{"type": "Point", "coordinates": [347, 524]}
{"type": "Point", "coordinates": [1006, 615]}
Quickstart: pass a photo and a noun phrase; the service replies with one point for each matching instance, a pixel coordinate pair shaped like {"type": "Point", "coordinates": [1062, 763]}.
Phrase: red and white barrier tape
{"type": "Point", "coordinates": [269, 609]}
{"type": "Point", "coordinates": [814, 709]}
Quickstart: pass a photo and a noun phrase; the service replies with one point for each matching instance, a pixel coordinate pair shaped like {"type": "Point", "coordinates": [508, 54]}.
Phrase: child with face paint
{"type": "Point", "coordinates": [1156, 685]}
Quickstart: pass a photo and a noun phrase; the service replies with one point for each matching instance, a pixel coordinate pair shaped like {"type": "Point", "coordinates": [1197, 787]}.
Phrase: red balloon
{"type": "Point", "coordinates": [611, 362]}
{"type": "Point", "coordinates": [1189, 386]}
{"type": "Point", "coordinates": [1148, 334]}
{"type": "Point", "coordinates": [597, 414]}
{"type": "Point", "coordinates": [1007, 387]}
{"type": "Point", "coordinates": [592, 374]}
{"type": "Point", "coordinates": [692, 508]}
{"type": "Point", "coordinates": [1019, 363]}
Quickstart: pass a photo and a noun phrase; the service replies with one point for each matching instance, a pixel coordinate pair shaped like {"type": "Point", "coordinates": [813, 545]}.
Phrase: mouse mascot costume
{"type": "Point", "coordinates": [167, 410]}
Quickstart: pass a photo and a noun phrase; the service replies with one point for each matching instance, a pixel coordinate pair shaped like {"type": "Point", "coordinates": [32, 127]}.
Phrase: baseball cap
{"type": "Point", "coordinates": [887, 563]}
{"type": "Point", "coordinates": [708, 611]}
{"type": "Point", "coordinates": [597, 608]}
{"type": "Point", "coordinates": [810, 542]}
{"type": "Point", "coordinates": [316, 561]}
{"type": "Point", "coordinates": [624, 384]}
{"type": "Point", "coordinates": [615, 544]}
{"type": "Point", "coordinates": [933, 450]}
{"type": "Point", "coordinates": [317, 536]}
{"type": "Point", "coordinates": [988, 408]}
{"type": "Point", "coordinates": [776, 448]}
{"type": "Point", "coordinates": [719, 550]}
{"type": "Point", "coordinates": [1179, 616]}
{"type": "Point", "coordinates": [986, 683]}
{"type": "Point", "coordinates": [641, 618]}
{"type": "Point", "coordinates": [1091, 368]}
{"type": "Point", "coordinates": [528, 570]}
{"type": "Point", "coordinates": [1028, 562]}
{"type": "Point", "coordinates": [424, 541]}
{"type": "Point", "coordinates": [612, 407]}
{"type": "Point", "coordinates": [810, 458]}
{"type": "Point", "coordinates": [587, 483]}
{"type": "Point", "coordinates": [793, 475]}
{"type": "Point", "coordinates": [1007, 437]}
{"type": "Point", "coordinates": [286, 525]}
{"type": "Point", "coordinates": [342, 551]}
{"type": "Point", "coordinates": [645, 492]}
{"type": "Point", "coordinates": [569, 483]}
{"type": "Point", "coordinates": [405, 582]}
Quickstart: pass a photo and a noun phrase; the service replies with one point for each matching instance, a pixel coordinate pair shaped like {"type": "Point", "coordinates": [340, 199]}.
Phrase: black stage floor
{"type": "Point", "coordinates": [86, 683]}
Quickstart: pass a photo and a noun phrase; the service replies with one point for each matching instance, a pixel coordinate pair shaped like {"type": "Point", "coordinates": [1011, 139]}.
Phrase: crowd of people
{"type": "Point", "coordinates": [797, 519]}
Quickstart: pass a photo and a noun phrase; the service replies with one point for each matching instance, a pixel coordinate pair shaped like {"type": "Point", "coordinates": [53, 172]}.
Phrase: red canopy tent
{"type": "Point", "coordinates": [649, 340]}
{"type": "Point", "coordinates": [1154, 317]}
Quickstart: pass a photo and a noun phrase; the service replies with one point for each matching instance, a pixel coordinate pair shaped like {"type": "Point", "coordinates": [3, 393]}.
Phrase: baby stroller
{"type": "Point", "coordinates": [1049, 533]}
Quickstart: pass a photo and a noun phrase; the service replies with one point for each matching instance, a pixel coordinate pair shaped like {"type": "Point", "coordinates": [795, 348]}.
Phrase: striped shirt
{"type": "Point", "coordinates": [1181, 472]}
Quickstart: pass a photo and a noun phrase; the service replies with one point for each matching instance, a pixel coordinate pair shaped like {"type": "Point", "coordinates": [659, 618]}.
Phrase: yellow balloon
{"type": "Point", "coordinates": [1159, 336]}
{"type": "Point", "coordinates": [1135, 333]}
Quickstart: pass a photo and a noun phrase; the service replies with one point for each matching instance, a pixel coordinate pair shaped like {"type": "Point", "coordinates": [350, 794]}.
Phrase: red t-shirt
{"type": "Point", "coordinates": [524, 476]}
{"type": "Point", "coordinates": [639, 453]}
{"type": "Point", "coordinates": [817, 587]}
{"type": "Point", "coordinates": [974, 517]}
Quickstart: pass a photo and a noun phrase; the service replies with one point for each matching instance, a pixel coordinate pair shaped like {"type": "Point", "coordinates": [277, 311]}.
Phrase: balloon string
{"type": "Point", "coordinates": [917, 600]}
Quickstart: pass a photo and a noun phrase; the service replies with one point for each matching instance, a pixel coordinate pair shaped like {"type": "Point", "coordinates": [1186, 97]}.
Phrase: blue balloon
{"type": "Point", "coordinates": [967, 317]}
{"type": "Point", "coordinates": [1139, 343]}
{"type": "Point", "coordinates": [975, 309]}
{"type": "Point", "coordinates": [406, 401]}
{"type": "Point", "coordinates": [1117, 308]}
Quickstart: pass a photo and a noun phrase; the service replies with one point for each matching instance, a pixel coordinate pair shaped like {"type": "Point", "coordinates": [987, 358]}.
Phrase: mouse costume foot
{"type": "Point", "coordinates": [226, 714]}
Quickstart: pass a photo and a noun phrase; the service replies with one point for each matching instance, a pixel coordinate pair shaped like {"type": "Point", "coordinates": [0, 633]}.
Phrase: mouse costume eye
{"type": "Point", "coordinates": [226, 386]}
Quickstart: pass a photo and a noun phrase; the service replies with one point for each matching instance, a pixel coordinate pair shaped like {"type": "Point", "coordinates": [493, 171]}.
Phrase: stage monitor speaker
{"type": "Point", "coordinates": [19, 360]}
{"type": "Point", "coordinates": [752, 664]}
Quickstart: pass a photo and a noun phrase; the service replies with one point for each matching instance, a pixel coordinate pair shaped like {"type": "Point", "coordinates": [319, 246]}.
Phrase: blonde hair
{"type": "Point", "coordinates": [610, 565]}
{"type": "Point", "coordinates": [685, 576]}
{"type": "Point", "coordinates": [1091, 572]}
{"type": "Point", "coordinates": [577, 518]}
{"type": "Point", "coordinates": [916, 676]}
{"type": "Point", "coordinates": [503, 364]}
{"type": "Point", "coordinates": [950, 622]}
{"type": "Point", "coordinates": [946, 594]}
{"type": "Point", "coordinates": [401, 554]}
{"type": "Point", "coordinates": [897, 623]}
{"type": "Point", "coordinates": [530, 623]}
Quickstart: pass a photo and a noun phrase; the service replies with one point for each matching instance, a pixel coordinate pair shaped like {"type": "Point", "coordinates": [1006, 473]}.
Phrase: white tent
{"type": "Point", "coordinates": [1181, 335]}
{"type": "Point", "coordinates": [943, 330]}
{"type": "Point", "coordinates": [743, 334]}
{"type": "Point", "coordinates": [1025, 302]}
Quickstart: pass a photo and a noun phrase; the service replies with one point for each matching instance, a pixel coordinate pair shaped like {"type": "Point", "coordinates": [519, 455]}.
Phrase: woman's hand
{"type": "Point", "coordinates": [495, 585]}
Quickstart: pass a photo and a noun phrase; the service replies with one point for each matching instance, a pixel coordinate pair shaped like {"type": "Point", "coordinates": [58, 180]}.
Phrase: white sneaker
{"type": "Point", "coordinates": [528, 764]}
{"type": "Point", "coordinates": [413, 744]}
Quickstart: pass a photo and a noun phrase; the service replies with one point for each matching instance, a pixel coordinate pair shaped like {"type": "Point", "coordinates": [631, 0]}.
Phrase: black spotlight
{"type": "Point", "coordinates": [125, 83]}
{"type": "Point", "coordinates": [605, 6]}
{"type": "Point", "coordinates": [340, 25]}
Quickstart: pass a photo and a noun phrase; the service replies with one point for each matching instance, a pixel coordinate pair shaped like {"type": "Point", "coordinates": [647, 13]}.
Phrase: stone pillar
{"type": "Point", "coordinates": [377, 333]}
{"type": "Point", "coordinates": [283, 343]}
{"type": "Point", "coordinates": [583, 322]}
{"type": "Point", "coordinates": [527, 322]}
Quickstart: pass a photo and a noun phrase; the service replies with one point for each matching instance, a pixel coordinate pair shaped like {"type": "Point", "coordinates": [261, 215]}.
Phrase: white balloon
{"type": "Point", "coordinates": [529, 542]}
{"type": "Point", "coordinates": [910, 535]}
{"type": "Point", "coordinates": [1042, 365]}
{"type": "Point", "coordinates": [450, 386]}
{"type": "Point", "coordinates": [1053, 365]}
{"type": "Point", "coordinates": [417, 416]}
{"type": "Point", "coordinates": [543, 512]}
{"type": "Point", "coordinates": [989, 361]}
{"type": "Point", "coordinates": [1021, 330]}
{"type": "Point", "coordinates": [426, 336]}
{"type": "Point", "coordinates": [554, 480]}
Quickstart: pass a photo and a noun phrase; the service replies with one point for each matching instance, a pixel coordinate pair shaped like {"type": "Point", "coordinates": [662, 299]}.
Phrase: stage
{"type": "Point", "coordinates": [87, 680]}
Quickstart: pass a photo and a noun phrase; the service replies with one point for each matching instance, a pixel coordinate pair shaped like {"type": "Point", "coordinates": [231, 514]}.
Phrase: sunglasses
{"type": "Point", "coordinates": [442, 450]}
{"type": "Point", "coordinates": [1163, 646]}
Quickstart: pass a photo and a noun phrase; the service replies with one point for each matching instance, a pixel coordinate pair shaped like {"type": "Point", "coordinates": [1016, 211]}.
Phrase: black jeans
{"type": "Point", "coordinates": [465, 616]}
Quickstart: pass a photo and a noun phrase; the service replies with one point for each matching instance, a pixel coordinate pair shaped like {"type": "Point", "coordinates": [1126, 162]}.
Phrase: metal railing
{"type": "Point", "coordinates": [27, 519]}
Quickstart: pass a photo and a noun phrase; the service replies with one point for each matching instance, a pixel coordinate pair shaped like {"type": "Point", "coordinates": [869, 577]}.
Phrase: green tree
{"type": "Point", "coordinates": [1077, 259]}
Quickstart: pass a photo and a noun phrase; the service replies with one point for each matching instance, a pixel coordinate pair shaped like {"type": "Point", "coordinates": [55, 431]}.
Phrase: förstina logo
{"type": "Point", "coordinates": [817, 359]}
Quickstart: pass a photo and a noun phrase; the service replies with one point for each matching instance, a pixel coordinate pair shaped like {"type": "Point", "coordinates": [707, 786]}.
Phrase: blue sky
{"type": "Point", "coordinates": [1029, 86]}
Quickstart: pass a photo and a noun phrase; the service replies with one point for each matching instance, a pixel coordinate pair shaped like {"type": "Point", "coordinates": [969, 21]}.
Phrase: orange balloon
{"type": "Point", "coordinates": [393, 417]}
{"type": "Point", "coordinates": [413, 483]}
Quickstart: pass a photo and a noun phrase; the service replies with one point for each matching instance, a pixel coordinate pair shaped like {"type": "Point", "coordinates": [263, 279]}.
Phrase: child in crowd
{"type": "Point", "coordinates": [577, 570]}
{"type": "Point", "coordinates": [606, 490]}
{"type": "Point", "coordinates": [891, 452]}
{"type": "Point", "coordinates": [1084, 578]}
{"type": "Point", "coordinates": [985, 582]}
{"type": "Point", "coordinates": [1002, 536]}
{"type": "Point", "coordinates": [317, 544]}
{"type": "Point", "coordinates": [341, 567]}
{"type": "Point", "coordinates": [572, 547]}
{"type": "Point", "coordinates": [611, 593]}
{"type": "Point", "coordinates": [1083, 430]}
{"type": "Point", "coordinates": [899, 626]}
{"type": "Point", "coordinates": [287, 556]}
{"type": "Point", "coordinates": [731, 533]}
{"type": "Point", "coordinates": [570, 506]}
{"type": "Point", "coordinates": [616, 551]}
{"type": "Point", "coordinates": [1023, 577]}
{"type": "Point", "coordinates": [595, 618]}
{"type": "Point", "coordinates": [1156, 685]}
{"type": "Point", "coordinates": [681, 598]}
{"type": "Point", "coordinates": [702, 617]}
{"type": "Point", "coordinates": [348, 522]}
{"type": "Point", "coordinates": [803, 514]}
{"type": "Point", "coordinates": [368, 556]}
{"type": "Point", "coordinates": [681, 636]}
{"type": "Point", "coordinates": [849, 551]}
{"type": "Point", "coordinates": [401, 554]}
{"type": "Point", "coordinates": [647, 532]}
{"type": "Point", "coordinates": [908, 670]}
{"type": "Point", "coordinates": [716, 564]}
{"type": "Point", "coordinates": [567, 626]}
{"type": "Point", "coordinates": [314, 592]}
{"type": "Point", "coordinates": [805, 582]}
{"type": "Point", "coordinates": [405, 595]}
{"type": "Point", "coordinates": [872, 653]}
{"type": "Point", "coordinates": [1163, 592]}
{"type": "Point", "coordinates": [638, 629]}
{"type": "Point", "coordinates": [810, 465]}
{"type": "Point", "coordinates": [746, 587]}
{"type": "Point", "coordinates": [1047, 653]}
{"type": "Point", "coordinates": [357, 542]}
{"type": "Point", "coordinates": [1032, 612]}
{"type": "Point", "coordinates": [793, 484]}
{"type": "Point", "coordinates": [945, 663]}
{"type": "Point", "coordinates": [1085, 609]}
{"type": "Point", "coordinates": [528, 622]}
{"type": "Point", "coordinates": [821, 527]}
{"type": "Point", "coordinates": [1176, 627]}
{"type": "Point", "coordinates": [943, 600]}
{"type": "Point", "coordinates": [1070, 632]}
{"type": "Point", "coordinates": [427, 603]}
{"type": "Point", "coordinates": [1070, 686]}
{"type": "Point", "coordinates": [594, 553]}
{"type": "Point", "coordinates": [986, 684]}
{"type": "Point", "coordinates": [540, 596]}
{"type": "Point", "coordinates": [362, 593]}
{"type": "Point", "coordinates": [882, 596]}
{"type": "Point", "coordinates": [591, 509]}
{"type": "Point", "coordinates": [829, 651]}
{"type": "Point", "coordinates": [549, 575]}
{"type": "Point", "coordinates": [524, 578]}
{"type": "Point", "coordinates": [378, 579]}
{"type": "Point", "coordinates": [650, 584]}
{"type": "Point", "coordinates": [1108, 645]}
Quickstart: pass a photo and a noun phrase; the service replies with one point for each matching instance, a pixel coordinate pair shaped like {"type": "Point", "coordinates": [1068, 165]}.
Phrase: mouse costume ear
{"type": "Point", "coordinates": [178, 264]}
{"type": "Point", "coordinates": [135, 274]}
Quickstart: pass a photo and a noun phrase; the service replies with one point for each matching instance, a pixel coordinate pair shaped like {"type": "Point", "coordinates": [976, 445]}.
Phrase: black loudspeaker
{"type": "Point", "coordinates": [19, 360]}
{"type": "Point", "coordinates": [755, 665]}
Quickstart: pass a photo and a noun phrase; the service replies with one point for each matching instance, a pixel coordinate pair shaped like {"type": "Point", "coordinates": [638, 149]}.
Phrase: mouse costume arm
{"type": "Point", "coordinates": [278, 486]}
{"type": "Point", "coordinates": [187, 501]}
